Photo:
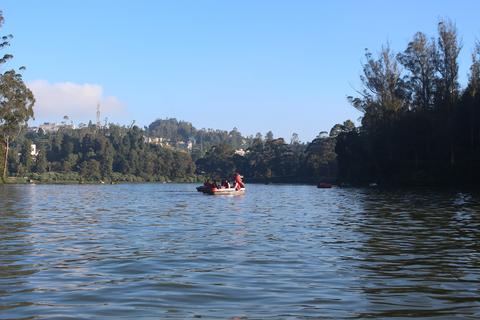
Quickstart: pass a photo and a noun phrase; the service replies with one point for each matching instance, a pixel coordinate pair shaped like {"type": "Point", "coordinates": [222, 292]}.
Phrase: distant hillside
{"type": "Point", "coordinates": [172, 129]}
{"type": "Point", "coordinates": [176, 131]}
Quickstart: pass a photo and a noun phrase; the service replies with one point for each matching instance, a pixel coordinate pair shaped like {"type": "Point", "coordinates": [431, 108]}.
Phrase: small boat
{"type": "Point", "coordinates": [225, 188]}
{"type": "Point", "coordinates": [324, 185]}
{"type": "Point", "coordinates": [225, 191]}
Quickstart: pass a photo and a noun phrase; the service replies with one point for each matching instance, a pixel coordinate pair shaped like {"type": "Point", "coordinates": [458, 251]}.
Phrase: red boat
{"type": "Point", "coordinates": [324, 185]}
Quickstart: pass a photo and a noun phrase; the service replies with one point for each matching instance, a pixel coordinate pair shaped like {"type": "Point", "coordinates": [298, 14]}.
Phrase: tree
{"type": "Point", "coordinates": [295, 139]}
{"type": "Point", "coordinates": [449, 49]}
{"type": "Point", "coordinates": [474, 79]}
{"type": "Point", "coordinates": [26, 155]}
{"type": "Point", "coordinates": [382, 96]}
{"type": "Point", "coordinates": [235, 138]}
{"type": "Point", "coordinates": [420, 60]}
{"type": "Point", "coordinates": [16, 103]}
{"type": "Point", "coordinates": [269, 135]}
{"type": "Point", "coordinates": [41, 162]}
{"type": "Point", "coordinates": [16, 108]}
{"type": "Point", "coordinates": [320, 159]}
{"type": "Point", "coordinates": [435, 138]}
{"type": "Point", "coordinates": [218, 162]}
{"type": "Point", "coordinates": [337, 129]}
{"type": "Point", "coordinates": [90, 170]}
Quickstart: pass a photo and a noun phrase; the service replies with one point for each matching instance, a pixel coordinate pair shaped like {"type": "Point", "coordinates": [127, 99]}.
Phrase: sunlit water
{"type": "Point", "coordinates": [153, 251]}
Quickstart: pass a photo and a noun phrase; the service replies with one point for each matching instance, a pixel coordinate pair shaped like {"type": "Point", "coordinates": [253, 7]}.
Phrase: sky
{"type": "Point", "coordinates": [284, 66]}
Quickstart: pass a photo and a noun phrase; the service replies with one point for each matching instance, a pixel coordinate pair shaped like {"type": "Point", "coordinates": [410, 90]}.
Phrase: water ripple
{"type": "Point", "coordinates": [280, 252]}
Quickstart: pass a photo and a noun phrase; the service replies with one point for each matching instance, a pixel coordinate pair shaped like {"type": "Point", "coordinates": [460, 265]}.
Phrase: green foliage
{"type": "Point", "coordinates": [172, 129]}
{"type": "Point", "coordinates": [434, 137]}
{"type": "Point", "coordinates": [218, 162]}
{"type": "Point", "coordinates": [90, 170]}
{"type": "Point", "coordinates": [16, 104]}
{"type": "Point", "coordinates": [92, 154]}
{"type": "Point", "coordinates": [174, 133]}
{"type": "Point", "coordinates": [123, 154]}
{"type": "Point", "coordinates": [274, 160]}
{"type": "Point", "coordinates": [41, 163]}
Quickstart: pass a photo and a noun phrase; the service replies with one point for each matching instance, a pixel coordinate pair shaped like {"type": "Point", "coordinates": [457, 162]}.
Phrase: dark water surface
{"type": "Point", "coordinates": [153, 251]}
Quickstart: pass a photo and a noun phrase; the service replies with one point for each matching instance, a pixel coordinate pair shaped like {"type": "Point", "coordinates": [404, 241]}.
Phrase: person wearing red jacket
{"type": "Point", "coordinates": [238, 181]}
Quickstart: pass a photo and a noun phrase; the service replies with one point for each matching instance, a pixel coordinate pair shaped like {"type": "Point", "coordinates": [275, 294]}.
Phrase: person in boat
{"type": "Point", "coordinates": [238, 181]}
{"type": "Point", "coordinates": [214, 185]}
{"type": "Point", "coordinates": [225, 184]}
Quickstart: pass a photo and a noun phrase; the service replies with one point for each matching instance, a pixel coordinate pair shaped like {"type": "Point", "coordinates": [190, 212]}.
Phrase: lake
{"type": "Point", "coordinates": [165, 251]}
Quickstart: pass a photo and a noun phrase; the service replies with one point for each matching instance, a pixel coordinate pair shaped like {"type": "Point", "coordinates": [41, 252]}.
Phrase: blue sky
{"type": "Point", "coordinates": [284, 66]}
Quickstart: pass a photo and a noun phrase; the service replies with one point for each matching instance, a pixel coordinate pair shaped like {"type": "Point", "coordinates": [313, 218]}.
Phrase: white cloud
{"type": "Point", "coordinates": [78, 101]}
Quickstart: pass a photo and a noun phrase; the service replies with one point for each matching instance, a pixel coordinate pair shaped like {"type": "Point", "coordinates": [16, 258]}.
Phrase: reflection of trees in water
{"type": "Point", "coordinates": [15, 247]}
{"type": "Point", "coordinates": [421, 253]}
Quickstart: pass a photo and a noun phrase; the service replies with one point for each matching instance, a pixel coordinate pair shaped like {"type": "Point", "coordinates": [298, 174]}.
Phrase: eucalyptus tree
{"type": "Point", "coordinates": [16, 102]}
{"type": "Point", "coordinates": [471, 96]}
{"type": "Point", "coordinates": [449, 49]}
{"type": "Point", "coordinates": [420, 60]}
{"type": "Point", "coordinates": [473, 88]}
{"type": "Point", "coordinates": [383, 92]}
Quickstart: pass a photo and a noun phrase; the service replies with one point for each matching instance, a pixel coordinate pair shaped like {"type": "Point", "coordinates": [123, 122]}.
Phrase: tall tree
{"type": "Point", "coordinates": [16, 103]}
{"type": "Point", "coordinates": [16, 108]}
{"type": "Point", "coordinates": [269, 135]}
{"type": "Point", "coordinates": [383, 90]}
{"type": "Point", "coordinates": [26, 159]}
{"type": "Point", "coordinates": [474, 79]}
{"type": "Point", "coordinates": [449, 49]}
{"type": "Point", "coordinates": [420, 60]}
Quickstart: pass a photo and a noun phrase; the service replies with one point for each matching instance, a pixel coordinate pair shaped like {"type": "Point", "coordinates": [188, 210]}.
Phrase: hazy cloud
{"type": "Point", "coordinates": [78, 101]}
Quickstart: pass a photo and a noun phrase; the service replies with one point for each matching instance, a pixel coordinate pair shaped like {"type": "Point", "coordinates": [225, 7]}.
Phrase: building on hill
{"type": "Point", "coordinates": [166, 143]}
{"type": "Point", "coordinates": [49, 127]}
{"type": "Point", "coordinates": [240, 152]}
{"type": "Point", "coordinates": [188, 145]}
{"type": "Point", "coordinates": [33, 150]}
{"type": "Point", "coordinates": [157, 141]}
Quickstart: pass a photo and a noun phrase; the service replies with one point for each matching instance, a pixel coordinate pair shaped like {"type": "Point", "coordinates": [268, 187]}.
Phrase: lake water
{"type": "Point", "coordinates": [164, 251]}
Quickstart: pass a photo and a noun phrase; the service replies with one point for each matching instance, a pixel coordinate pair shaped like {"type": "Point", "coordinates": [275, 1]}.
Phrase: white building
{"type": "Point", "coordinates": [240, 152]}
{"type": "Point", "coordinates": [33, 150]}
{"type": "Point", "coordinates": [54, 127]}
{"type": "Point", "coordinates": [155, 140]}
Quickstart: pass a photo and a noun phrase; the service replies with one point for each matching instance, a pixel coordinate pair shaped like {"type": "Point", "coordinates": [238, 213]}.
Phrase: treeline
{"type": "Point", "coordinates": [274, 160]}
{"type": "Point", "coordinates": [419, 126]}
{"type": "Point", "coordinates": [116, 153]}
{"type": "Point", "coordinates": [219, 153]}
{"type": "Point", "coordinates": [121, 154]}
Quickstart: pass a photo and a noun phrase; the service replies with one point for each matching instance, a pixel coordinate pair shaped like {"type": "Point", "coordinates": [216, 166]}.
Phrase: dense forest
{"type": "Point", "coordinates": [419, 126]}
{"type": "Point", "coordinates": [218, 153]}
{"type": "Point", "coordinates": [274, 160]}
{"type": "Point", "coordinates": [117, 153]}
